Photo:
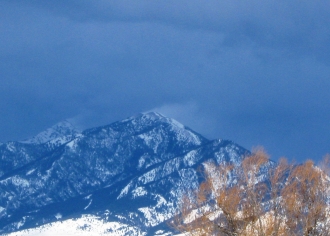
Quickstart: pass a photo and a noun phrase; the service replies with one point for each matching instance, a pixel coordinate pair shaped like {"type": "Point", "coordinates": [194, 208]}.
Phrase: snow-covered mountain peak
{"type": "Point", "coordinates": [159, 116]}
{"type": "Point", "coordinates": [153, 118]}
{"type": "Point", "coordinates": [153, 114]}
{"type": "Point", "coordinates": [146, 116]}
{"type": "Point", "coordinates": [148, 122]}
{"type": "Point", "coordinates": [59, 131]}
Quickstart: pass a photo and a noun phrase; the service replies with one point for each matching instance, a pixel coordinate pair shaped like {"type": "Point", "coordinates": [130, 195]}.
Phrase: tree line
{"type": "Point", "coordinates": [258, 197]}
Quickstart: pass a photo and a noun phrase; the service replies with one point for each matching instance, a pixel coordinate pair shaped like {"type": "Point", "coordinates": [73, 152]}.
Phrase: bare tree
{"type": "Point", "coordinates": [212, 209]}
{"type": "Point", "coordinates": [229, 201]}
{"type": "Point", "coordinates": [242, 201]}
{"type": "Point", "coordinates": [305, 198]}
{"type": "Point", "coordinates": [277, 178]}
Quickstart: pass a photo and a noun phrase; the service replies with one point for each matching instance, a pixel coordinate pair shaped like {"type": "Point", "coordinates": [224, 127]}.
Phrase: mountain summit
{"type": "Point", "coordinates": [127, 176]}
{"type": "Point", "coordinates": [62, 131]}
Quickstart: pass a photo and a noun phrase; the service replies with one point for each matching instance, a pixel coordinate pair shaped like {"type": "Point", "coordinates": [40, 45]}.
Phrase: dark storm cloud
{"type": "Point", "coordinates": [294, 24]}
{"type": "Point", "coordinates": [256, 72]}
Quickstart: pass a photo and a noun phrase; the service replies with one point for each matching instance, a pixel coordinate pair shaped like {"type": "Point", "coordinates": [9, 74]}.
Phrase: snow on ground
{"type": "Point", "coordinates": [87, 225]}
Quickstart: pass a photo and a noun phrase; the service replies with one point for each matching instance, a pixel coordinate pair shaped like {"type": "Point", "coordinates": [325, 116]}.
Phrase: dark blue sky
{"type": "Point", "coordinates": [255, 72]}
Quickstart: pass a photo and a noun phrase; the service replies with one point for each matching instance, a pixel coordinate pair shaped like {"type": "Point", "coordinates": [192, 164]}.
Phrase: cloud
{"type": "Point", "coordinates": [255, 72]}
{"type": "Point", "coordinates": [298, 27]}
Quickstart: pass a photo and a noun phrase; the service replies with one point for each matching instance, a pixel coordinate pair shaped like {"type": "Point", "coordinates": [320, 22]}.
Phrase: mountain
{"type": "Point", "coordinates": [127, 176]}
{"type": "Point", "coordinates": [58, 134]}
{"type": "Point", "coordinates": [14, 155]}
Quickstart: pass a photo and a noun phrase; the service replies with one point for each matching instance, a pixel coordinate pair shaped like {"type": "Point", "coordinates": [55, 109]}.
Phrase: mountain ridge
{"type": "Point", "coordinates": [63, 129]}
{"type": "Point", "coordinates": [147, 160]}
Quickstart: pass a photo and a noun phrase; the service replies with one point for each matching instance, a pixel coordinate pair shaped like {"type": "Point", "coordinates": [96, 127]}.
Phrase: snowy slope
{"type": "Point", "coordinates": [89, 225]}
